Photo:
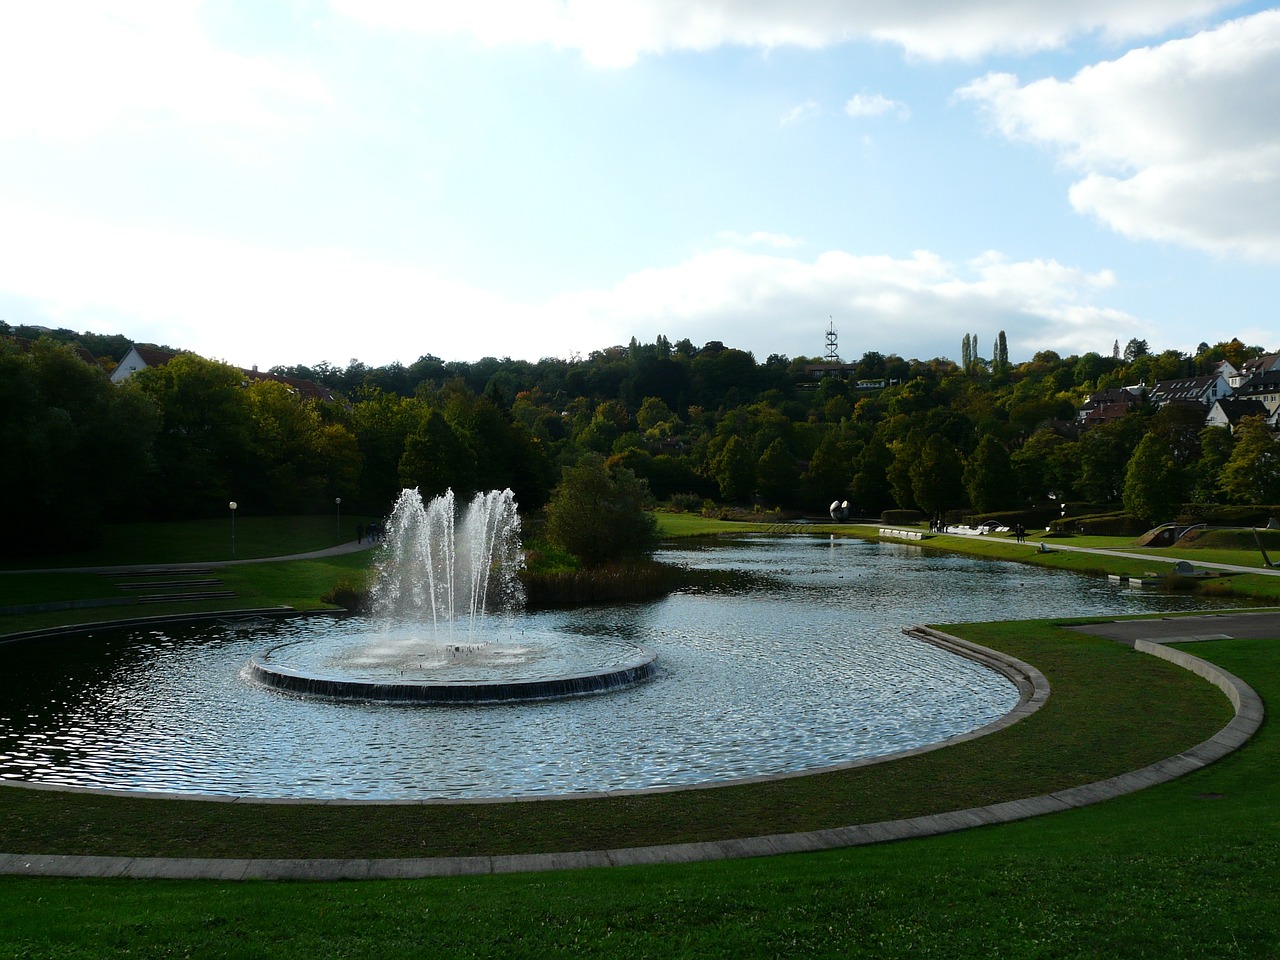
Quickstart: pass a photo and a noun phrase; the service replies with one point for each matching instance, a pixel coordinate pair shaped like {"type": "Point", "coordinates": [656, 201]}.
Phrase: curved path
{"type": "Point", "coordinates": [1246, 720]}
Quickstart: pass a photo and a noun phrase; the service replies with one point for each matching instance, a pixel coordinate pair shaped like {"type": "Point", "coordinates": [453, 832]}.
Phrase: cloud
{"type": "Point", "coordinates": [875, 105]}
{"type": "Point", "coordinates": [917, 306]}
{"type": "Point", "coordinates": [70, 69]}
{"type": "Point", "coordinates": [260, 305]}
{"type": "Point", "coordinates": [1179, 142]}
{"type": "Point", "coordinates": [618, 32]}
{"type": "Point", "coordinates": [801, 111]}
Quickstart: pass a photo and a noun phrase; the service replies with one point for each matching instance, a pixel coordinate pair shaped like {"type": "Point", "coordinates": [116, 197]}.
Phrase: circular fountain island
{"type": "Point", "coordinates": [446, 625]}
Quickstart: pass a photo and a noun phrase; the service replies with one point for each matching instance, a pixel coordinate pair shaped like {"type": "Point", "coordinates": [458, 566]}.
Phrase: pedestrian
{"type": "Point", "coordinates": [359, 533]}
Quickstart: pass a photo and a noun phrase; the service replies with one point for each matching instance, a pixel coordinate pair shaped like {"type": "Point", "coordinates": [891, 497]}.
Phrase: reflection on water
{"type": "Point", "coordinates": [796, 664]}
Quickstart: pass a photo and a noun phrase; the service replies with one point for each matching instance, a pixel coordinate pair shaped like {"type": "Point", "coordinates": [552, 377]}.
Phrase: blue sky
{"type": "Point", "coordinates": [306, 181]}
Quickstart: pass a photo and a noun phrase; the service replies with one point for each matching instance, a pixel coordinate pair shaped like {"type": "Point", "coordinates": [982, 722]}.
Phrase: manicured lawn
{"type": "Point", "coordinates": [199, 541]}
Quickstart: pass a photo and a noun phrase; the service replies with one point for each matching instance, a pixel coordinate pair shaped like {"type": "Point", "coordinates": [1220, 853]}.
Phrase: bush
{"type": "Point", "coordinates": [686, 502]}
{"type": "Point", "coordinates": [1101, 525]}
{"type": "Point", "coordinates": [600, 515]}
{"type": "Point", "coordinates": [347, 595]}
{"type": "Point", "coordinates": [1227, 515]}
{"type": "Point", "coordinates": [901, 518]}
{"type": "Point", "coordinates": [1032, 517]}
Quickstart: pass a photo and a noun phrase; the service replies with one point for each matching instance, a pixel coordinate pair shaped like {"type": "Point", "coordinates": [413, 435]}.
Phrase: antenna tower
{"type": "Point", "coordinates": [833, 350]}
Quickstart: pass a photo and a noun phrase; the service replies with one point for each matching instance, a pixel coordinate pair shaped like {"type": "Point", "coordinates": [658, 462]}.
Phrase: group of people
{"type": "Point", "coordinates": [374, 532]}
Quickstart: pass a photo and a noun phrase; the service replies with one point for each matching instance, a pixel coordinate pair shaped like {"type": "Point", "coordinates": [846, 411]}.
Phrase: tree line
{"type": "Point", "coordinates": [696, 424]}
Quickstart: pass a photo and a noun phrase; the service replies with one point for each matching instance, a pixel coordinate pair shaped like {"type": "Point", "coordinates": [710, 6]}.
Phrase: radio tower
{"type": "Point", "coordinates": [833, 351]}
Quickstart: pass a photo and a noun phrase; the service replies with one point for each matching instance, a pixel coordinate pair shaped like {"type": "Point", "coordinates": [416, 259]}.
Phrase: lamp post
{"type": "Point", "coordinates": [233, 506]}
{"type": "Point", "coordinates": [337, 503]}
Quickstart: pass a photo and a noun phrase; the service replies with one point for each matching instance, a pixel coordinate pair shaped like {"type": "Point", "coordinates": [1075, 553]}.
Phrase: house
{"type": "Point", "coordinates": [140, 358]}
{"type": "Point", "coordinates": [1229, 411]}
{"type": "Point", "coordinates": [1269, 363]}
{"type": "Point", "coordinates": [1201, 390]}
{"type": "Point", "coordinates": [1264, 387]}
{"type": "Point", "coordinates": [1110, 404]}
{"type": "Point", "coordinates": [1105, 413]}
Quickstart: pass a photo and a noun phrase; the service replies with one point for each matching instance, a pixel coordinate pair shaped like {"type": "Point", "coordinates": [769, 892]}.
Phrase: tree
{"type": "Point", "coordinates": [204, 451]}
{"type": "Point", "coordinates": [937, 477]}
{"type": "Point", "coordinates": [76, 448]}
{"type": "Point", "coordinates": [435, 460]}
{"type": "Point", "coordinates": [735, 471]}
{"type": "Point", "coordinates": [1252, 472]}
{"type": "Point", "coordinates": [777, 475]}
{"type": "Point", "coordinates": [1215, 449]}
{"type": "Point", "coordinates": [988, 476]}
{"type": "Point", "coordinates": [1153, 482]}
{"type": "Point", "coordinates": [600, 515]}
{"type": "Point", "coordinates": [1104, 453]}
{"type": "Point", "coordinates": [1136, 348]}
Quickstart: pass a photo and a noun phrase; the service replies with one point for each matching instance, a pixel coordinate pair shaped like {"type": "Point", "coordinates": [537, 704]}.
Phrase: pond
{"type": "Point", "coordinates": [791, 659]}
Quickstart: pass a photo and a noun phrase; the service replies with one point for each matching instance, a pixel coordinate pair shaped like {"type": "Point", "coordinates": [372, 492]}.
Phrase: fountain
{"type": "Point", "coordinates": [446, 625]}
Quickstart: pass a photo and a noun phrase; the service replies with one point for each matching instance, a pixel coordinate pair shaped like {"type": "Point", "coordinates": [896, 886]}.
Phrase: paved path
{"type": "Point", "coordinates": [339, 550]}
{"type": "Point", "coordinates": [1052, 546]}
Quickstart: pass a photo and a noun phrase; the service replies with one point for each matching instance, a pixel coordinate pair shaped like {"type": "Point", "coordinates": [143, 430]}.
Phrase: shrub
{"type": "Point", "coordinates": [1228, 515]}
{"type": "Point", "coordinates": [1101, 525]}
{"type": "Point", "coordinates": [686, 502]}
{"type": "Point", "coordinates": [900, 518]}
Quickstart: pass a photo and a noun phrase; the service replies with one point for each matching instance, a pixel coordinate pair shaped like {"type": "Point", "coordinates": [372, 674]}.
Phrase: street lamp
{"type": "Point", "coordinates": [337, 502]}
{"type": "Point", "coordinates": [233, 506]}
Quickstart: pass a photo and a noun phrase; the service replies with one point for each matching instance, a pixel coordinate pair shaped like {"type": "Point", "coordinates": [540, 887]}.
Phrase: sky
{"type": "Point", "coordinates": [302, 181]}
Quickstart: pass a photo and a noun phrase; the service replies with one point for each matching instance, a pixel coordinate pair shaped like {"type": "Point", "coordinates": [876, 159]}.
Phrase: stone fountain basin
{"type": "Point", "coordinates": [403, 665]}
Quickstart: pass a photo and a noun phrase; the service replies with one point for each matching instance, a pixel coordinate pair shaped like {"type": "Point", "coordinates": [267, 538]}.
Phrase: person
{"type": "Point", "coordinates": [359, 533]}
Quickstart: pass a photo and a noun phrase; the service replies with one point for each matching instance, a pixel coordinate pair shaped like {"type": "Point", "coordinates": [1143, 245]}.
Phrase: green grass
{"type": "Point", "coordinates": [199, 541]}
{"type": "Point", "coordinates": [696, 525]}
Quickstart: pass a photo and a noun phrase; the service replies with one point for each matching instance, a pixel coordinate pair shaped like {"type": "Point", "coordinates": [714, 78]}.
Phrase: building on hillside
{"type": "Point", "coordinates": [1201, 390]}
{"type": "Point", "coordinates": [1269, 363]}
{"type": "Point", "coordinates": [1110, 404]}
{"type": "Point", "coordinates": [1229, 411]}
{"type": "Point", "coordinates": [1264, 387]}
{"type": "Point", "coordinates": [140, 358]}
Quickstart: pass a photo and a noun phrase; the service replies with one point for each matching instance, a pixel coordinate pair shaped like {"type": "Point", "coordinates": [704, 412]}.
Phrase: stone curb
{"type": "Point", "coordinates": [1246, 721]}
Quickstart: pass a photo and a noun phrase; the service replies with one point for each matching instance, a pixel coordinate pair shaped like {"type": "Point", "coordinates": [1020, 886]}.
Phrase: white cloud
{"type": "Point", "coordinates": [1178, 142]}
{"type": "Point", "coordinates": [70, 69]}
{"type": "Point", "coordinates": [615, 33]}
{"type": "Point", "coordinates": [875, 105]}
{"type": "Point", "coordinates": [801, 111]}
{"type": "Point", "coordinates": [259, 305]}
{"type": "Point", "coordinates": [917, 306]}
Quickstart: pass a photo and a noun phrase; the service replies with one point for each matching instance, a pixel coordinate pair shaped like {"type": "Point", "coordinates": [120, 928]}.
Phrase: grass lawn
{"type": "Point", "coordinates": [1187, 869]}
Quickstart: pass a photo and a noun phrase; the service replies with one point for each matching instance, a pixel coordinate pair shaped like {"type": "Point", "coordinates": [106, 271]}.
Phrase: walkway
{"type": "Point", "coordinates": [339, 550]}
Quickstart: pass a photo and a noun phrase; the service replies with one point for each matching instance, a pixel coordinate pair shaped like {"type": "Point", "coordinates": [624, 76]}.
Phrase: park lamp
{"type": "Point", "coordinates": [232, 505]}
